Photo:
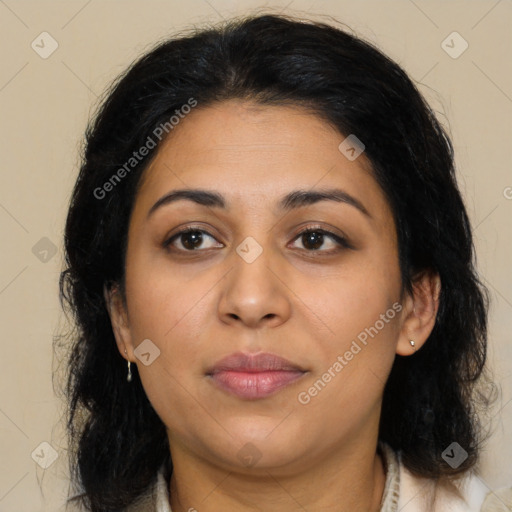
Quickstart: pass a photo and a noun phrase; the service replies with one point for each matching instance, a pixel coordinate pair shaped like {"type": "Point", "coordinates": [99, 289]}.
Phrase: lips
{"type": "Point", "coordinates": [254, 376]}
{"type": "Point", "coordinates": [262, 362]}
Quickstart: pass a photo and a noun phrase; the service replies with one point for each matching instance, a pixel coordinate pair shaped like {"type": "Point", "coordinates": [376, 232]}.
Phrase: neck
{"type": "Point", "coordinates": [348, 479]}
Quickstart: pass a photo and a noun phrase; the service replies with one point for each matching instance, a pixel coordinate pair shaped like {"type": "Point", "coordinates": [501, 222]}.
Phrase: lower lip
{"type": "Point", "coordinates": [254, 385]}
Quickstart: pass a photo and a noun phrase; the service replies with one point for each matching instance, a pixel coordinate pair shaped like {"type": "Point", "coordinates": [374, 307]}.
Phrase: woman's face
{"type": "Point", "coordinates": [245, 281]}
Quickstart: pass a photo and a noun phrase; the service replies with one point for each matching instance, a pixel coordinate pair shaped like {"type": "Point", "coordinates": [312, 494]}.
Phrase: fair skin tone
{"type": "Point", "coordinates": [305, 299]}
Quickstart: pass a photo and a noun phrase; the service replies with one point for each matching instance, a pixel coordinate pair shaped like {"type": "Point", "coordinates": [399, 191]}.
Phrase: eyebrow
{"type": "Point", "coordinates": [292, 200]}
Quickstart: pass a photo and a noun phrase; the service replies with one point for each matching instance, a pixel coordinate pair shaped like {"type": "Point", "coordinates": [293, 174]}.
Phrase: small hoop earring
{"type": "Point", "coordinates": [129, 376]}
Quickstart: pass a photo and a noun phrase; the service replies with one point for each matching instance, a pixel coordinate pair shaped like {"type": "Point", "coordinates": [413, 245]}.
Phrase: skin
{"type": "Point", "coordinates": [303, 304]}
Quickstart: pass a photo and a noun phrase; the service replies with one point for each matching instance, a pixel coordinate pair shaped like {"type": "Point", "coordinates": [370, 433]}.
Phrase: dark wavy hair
{"type": "Point", "coordinates": [117, 441]}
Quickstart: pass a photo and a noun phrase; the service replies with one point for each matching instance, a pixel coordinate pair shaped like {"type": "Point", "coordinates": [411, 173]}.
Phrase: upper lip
{"type": "Point", "coordinates": [244, 362]}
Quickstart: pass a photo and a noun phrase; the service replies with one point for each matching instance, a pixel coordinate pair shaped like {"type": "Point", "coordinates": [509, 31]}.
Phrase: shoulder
{"type": "Point", "coordinates": [145, 502]}
{"type": "Point", "coordinates": [466, 494]}
{"type": "Point", "coordinates": [156, 498]}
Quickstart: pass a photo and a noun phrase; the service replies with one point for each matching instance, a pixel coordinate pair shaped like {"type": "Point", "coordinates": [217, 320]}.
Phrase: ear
{"type": "Point", "coordinates": [119, 319]}
{"type": "Point", "coordinates": [419, 313]}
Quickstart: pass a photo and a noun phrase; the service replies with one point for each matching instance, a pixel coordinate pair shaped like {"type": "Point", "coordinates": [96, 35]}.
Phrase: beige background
{"type": "Point", "coordinates": [45, 104]}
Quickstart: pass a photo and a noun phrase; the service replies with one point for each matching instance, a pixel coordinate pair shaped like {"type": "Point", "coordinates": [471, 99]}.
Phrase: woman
{"type": "Point", "coordinates": [272, 274]}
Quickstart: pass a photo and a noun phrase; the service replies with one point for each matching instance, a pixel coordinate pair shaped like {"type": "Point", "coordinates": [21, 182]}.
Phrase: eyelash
{"type": "Point", "coordinates": [341, 241]}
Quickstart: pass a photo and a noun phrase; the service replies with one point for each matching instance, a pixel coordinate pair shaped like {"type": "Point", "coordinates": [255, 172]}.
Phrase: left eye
{"type": "Point", "coordinates": [315, 238]}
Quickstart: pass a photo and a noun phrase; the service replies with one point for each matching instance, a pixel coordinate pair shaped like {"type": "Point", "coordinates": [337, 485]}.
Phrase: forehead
{"type": "Point", "coordinates": [234, 128]}
{"type": "Point", "coordinates": [243, 150]}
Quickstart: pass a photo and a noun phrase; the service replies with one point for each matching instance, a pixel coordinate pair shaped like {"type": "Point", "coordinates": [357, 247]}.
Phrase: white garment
{"type": "Point", "coordinates": [404, 492]}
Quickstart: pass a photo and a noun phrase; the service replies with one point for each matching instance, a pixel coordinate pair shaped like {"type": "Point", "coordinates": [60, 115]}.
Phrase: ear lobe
{"type": "Point", "coordinates": [118, 318]}
{"type": "Point", "coordinates": [420, 313]}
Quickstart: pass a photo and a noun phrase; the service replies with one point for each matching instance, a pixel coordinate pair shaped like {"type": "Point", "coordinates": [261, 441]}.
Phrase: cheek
{"type": "Point", "coordinates": [354, 365]}
{"type": "Point", "coordinates": [360, 306]}
{"type": "Point", "coordinates": [170, 312]}
{"type": "Point", "coordinates": [355, 297]}
{"type": "Point", "coordinates": [173, 308]}
{"type": "Point", "coordinates": [160, 295]}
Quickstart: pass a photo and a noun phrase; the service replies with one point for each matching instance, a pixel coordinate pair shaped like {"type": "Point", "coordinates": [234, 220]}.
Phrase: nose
{"type": "Point", "coordinates": [255, 293]}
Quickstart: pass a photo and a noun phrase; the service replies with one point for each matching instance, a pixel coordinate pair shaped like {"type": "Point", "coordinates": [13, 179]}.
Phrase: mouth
{"type": "Point", "coordinates": [253, 377]}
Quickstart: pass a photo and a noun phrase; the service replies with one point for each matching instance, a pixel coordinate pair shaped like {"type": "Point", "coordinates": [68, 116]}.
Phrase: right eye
{"type": "Point", "coordinates": [190, 239]}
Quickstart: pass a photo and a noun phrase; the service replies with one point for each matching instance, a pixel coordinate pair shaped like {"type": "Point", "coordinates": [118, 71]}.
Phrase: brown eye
{"type": "Point", "coordinates": [313, 239]}
{"type": "Point", "coordinates": [191, 239]}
